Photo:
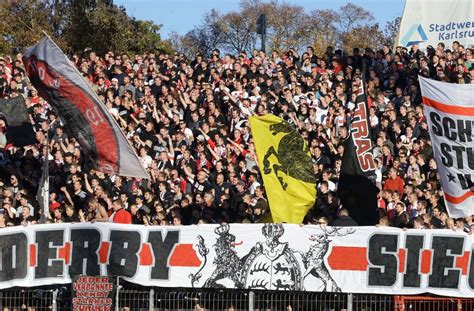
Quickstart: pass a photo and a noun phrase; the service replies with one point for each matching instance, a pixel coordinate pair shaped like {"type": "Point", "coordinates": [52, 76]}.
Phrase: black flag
{"type": "Point", "coordinates": [356, 187]}
{"type": "Point", "coordinates": [19, 129]}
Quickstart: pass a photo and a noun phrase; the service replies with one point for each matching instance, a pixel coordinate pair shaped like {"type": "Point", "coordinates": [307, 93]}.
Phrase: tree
{"type": "Point", "coordinates": [75, 25]}
{"type": "Point", "coordinates": [178, 43]}
{"type": "Point", "coordinates": [287, 26]}
{"type": "Point", "coordinates": [204, 38]}
{"type": "Point", "coordinates": [22, 24]}
{"type": "Point", "coordinates": [352, 16]}
{"type": "Point", "coordinates": [322, 29]}
{"type": "Point", "coordinates": [237, 32]}
{"type": "Point", "coordinates": [286, 23]}
{"type": "Point", "coordinates": [146, 37]}
{"type": "Point", "coordinates": [357, 29]}
{"type": "Point", "coordinates": [391, 31]}
{"type": "Point", "coordinates": [101, 28]}
{"type": "Point", "coordinates": [362, 36]}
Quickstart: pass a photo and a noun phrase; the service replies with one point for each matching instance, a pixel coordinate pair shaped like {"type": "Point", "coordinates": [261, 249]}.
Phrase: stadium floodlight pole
{"type": "Point", "coordinates": [262, 29]}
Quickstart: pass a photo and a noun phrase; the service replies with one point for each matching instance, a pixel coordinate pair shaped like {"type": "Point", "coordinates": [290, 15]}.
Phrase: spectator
{"type": "Point", "coordinates": [95, 212]}
{"type": "Point", "coordinates": [188, 121]}
{"type": "Point", "coordinates": [401, 218]}
{"type": "Point", "coordinates": [394, 182]}
{"type": "Point", "coordinates": [344, 220]}
{"type": "Point", "coordinates": [120, 215]}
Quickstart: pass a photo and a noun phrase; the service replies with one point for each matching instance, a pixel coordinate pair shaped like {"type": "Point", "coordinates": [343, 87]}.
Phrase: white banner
{"type": "Point", "coordinates": [428, 22]}
{"type": "Point", "coordinates": [449, 109]}
{"type": "Point", "coordinates": [270, 257]}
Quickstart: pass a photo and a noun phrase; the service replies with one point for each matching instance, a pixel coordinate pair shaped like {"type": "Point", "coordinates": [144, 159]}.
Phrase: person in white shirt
{"type": "Point", "coordinates": [253, 183]}
{"type": "Point", "coordinates": [145, 159]}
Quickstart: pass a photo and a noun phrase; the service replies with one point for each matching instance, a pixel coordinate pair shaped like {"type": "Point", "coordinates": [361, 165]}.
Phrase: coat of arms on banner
{"type": "Point", "coordinates": [270, 264]}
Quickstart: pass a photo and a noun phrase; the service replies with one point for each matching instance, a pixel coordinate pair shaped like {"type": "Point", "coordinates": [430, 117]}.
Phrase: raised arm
{"type": "Point", "coordinates": [88, 185]}
{"type": "Point", "coordinates": [188, 172]}
{"type": "Point", "coordinates": [170, 147]}
{"type": "Point", "coordinates": [214, 154]}
{"type": "Point", "coordinates": [241, 149]}
{"type": "Point", "coordinates": [67, 195]}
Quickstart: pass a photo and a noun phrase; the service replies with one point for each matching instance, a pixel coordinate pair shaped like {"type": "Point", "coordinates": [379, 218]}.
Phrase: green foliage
{"type": "Point", "coordinates": [23, 23]}
{"type": "Point", "coordinates": [76, 25]}
{"type": "Point", "coordinates": [146, 37]}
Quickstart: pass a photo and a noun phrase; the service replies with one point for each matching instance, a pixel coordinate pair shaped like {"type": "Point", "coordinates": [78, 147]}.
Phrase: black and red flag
{"type": "Point", "coordinates": [86, 117]}
{"type": "Point", "coordinates": [356, 187]}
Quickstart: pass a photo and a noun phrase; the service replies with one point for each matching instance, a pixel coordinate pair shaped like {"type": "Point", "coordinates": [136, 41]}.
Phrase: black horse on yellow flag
{"type": "Point", "coordinates": [286, 167]}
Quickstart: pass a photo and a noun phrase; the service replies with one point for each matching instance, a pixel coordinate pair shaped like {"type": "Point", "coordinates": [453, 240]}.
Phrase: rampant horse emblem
{"type": "Point", "coordinates": [292, 155]}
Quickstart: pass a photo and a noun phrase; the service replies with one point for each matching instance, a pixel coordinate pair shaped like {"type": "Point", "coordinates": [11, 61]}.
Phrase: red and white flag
{"type": "Point", "coordinates": [449, 110]}
{"type": "Point", "coordinates": [86, 117]}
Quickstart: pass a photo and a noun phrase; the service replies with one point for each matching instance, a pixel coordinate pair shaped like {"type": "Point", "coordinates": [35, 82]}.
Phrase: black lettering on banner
{"type": "Point", "coordinates": [449, 127]}
{"type": "Point", "coordinates": [464, 130]}
{"type": "Point", "coordinates": [459, 158]}
{"type": "Point", "coordinates": [465, 181]}
{"type": "Point", "coordinates": [413, 244]}
{"type": "Point", "coordinates": [383, 260]}
{"type": "Point", "coordinates": [445, 249]}
{"type": "Point", "coordinates": [470, 277]}
{"type": "Point", "coordinates": [84, 259]}
{"type": "Point", "coordinates": [14, 256]}
{"type": "Point", "coordinates": [123, 258]}
{"type": "Point", "coordinates": [48, 264]}
{"type": "Point", "coordinates": [436, 126]}
{"type": "Point", "coordinates": [161, 251]}
{"type": "Point", "coordinates": [446, 156]}
{"type": "Point", "coordinates": [470, 157]}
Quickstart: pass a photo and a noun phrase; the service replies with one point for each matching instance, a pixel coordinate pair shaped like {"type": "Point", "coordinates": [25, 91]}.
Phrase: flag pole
{"type": "Point", "coordinates": [43, 191]}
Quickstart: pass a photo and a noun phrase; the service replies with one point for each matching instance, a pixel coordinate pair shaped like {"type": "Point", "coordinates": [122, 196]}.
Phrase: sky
{"type": "Point", "coordinates": [184, 15]}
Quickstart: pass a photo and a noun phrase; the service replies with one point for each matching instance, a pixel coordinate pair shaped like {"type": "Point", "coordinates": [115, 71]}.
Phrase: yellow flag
{"type": "Point", "coordinates": [286, 167]}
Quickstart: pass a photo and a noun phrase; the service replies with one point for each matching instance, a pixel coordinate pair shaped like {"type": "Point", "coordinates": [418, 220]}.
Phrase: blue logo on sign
{"type": "Point", "coordinates": [414, 30]}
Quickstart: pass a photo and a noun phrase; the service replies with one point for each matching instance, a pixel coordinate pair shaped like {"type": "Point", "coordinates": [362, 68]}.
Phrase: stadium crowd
{"type": "Point", "coordinates": [188, 121]}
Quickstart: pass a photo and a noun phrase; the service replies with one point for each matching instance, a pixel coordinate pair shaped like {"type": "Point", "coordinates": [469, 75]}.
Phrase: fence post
{"type": "Point", "coordinates": [350, 301]}
{"type": "Point", "coordinates": [151, 300]}
{"type": "Point", "coordinates": [55, 300]}
{"type": "Point", "coordinates": [117, 294]}
{"type": "Point", "coordinates": [251, 300]}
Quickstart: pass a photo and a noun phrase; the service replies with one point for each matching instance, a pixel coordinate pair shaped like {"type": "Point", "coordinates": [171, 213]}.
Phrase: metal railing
{"type": "Point", "coordinates": [201, 300]}
{"type": "Point", "coordinates": [163, 299]}
{"type": "Point", "coordinates": [31, 299]}
{"type": "Point", "coordinates": [424, 303]}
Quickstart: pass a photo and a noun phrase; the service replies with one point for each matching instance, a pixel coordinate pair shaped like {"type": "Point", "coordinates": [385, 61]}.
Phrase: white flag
{"type": "Point", "coordinates": [449, 110]}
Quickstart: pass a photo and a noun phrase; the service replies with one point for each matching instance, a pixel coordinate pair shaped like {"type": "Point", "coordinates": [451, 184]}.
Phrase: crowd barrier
{"type": "Point", "coordinates": [172, 299]}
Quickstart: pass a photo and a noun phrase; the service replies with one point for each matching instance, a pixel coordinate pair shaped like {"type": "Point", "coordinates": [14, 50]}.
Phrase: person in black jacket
{"type": "Point", "coordinates": [401, 218]}
{"type": "Point", "coordinates": [165, 196]}
{"type": "Point", "coordinates": [344, 220]}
